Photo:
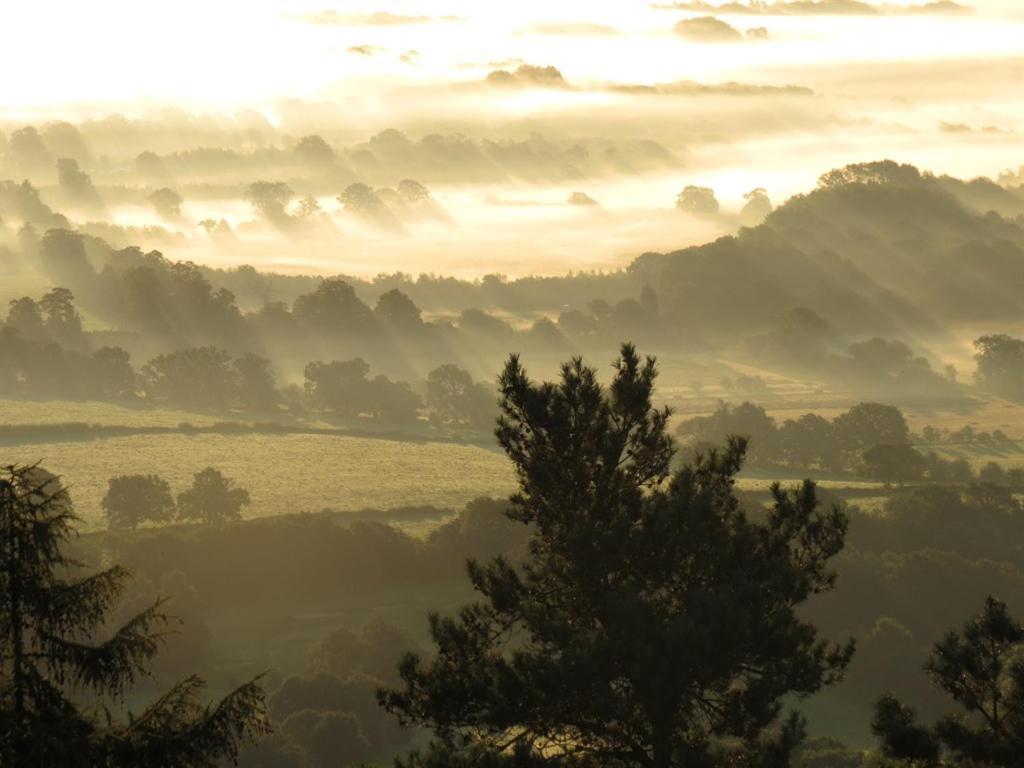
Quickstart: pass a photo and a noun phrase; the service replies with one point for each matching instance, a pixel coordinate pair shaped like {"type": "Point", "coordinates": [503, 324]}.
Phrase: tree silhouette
{"type": "Point", "coordinates": [166, 202]}
{"type": "Point", "coordinates": [653, 624]}
{"type": "Point", "coordinates": [698, 200]}
{"type": "Point", "coordinates": [76, 184]}
{"type": "Point", "coordinates": [46, 626]}
{"type": "Point", "coordinates": [134, 499]}
{"type": "Point", "coordinates": [197, 376]}
{"type": "Point", "coordinates": [270, 199]}
{"type": "Point", "coordinates": [411, 191]}
{"type": "Point", "coordinates": [757, 206]}
{"type": "Point", "coordinates": [212, 499]}
{"type": "Point", "coordinates": [257, 387]}
{"type": "Point", "coordinates": [396, 310]}
{"type": "Point", "coordinates": [456, 400]}
{"type": "Point", "coordinates": [314, 151]}
{"type": "Point", "coordinates": [896, 463]}
{"type": "Point", "coordinates": [982, 669]}
{"type": "Point", "coordinates": [1000, 360]}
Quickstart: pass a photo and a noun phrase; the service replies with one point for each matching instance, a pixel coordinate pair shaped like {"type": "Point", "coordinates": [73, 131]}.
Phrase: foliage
{"type": "Point", "coordinates": [45, 635]}
{"type": "Point", "coordinates": [342, 388]}
{"type": "Point", "coordinates": [982, 669]}
{"type": "Point", "coordinates": [1000, 360]}
{"type": "Point", "coordinates": [134, 499]}
{"type": "Point", "coordinates": [653, 623]}
{"type": "Point", "coordinates": [213, 499]}
{"type": "Point", "coordinates": [456, 400]}
{"type": "Point", "coordinates": [270, 199]}
{"type": "Point", "coordinates": [698, 200]}
{"type": "Point", "coordinates": [166, 202]}
{"type": "Point", "coordinates": [193, 377]}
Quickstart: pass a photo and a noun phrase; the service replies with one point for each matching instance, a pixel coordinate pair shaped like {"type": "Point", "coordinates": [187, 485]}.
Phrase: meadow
{"type": "Point", "coordinates": [284, 474]}
{"type": "Point", "coordinates": [30, 412]}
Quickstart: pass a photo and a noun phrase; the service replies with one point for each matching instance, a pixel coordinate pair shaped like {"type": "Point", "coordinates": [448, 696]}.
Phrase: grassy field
{"type": "Point", "coordinates": [19, 412]}
{"type": "Point", "coordinates": [284, 474]}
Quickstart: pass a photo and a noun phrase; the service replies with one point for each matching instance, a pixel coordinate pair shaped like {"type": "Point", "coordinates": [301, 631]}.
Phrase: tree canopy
{"type": "Point", "coordinates": [653, 622]}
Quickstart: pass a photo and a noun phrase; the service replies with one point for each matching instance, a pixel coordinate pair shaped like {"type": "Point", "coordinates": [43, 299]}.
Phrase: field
{"type": "Point", "coordinates": [25, 412]}
{"type": "Point", "coordinates": [283, 473]}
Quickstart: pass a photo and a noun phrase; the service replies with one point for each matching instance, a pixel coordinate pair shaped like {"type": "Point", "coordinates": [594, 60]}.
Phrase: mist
{"type": "Point", "coordinates": [438, 384]}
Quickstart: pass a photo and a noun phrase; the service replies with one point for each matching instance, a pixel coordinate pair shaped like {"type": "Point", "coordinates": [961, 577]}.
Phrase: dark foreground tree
{"type": "Point", "coordinates": [48, 623]}
{"type": "Point", "coordinates": [982, 669]}
{"type": "Point", "coordinates": [652, 624]}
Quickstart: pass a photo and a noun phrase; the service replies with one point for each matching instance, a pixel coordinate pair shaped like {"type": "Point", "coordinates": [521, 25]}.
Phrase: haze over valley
{"type": "Point", "coordinates": [443, 384]}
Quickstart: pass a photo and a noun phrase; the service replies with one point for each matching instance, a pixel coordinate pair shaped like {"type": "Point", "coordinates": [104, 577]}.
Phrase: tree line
{"type": "Point", "coordinates": [45, 351]}
{"type": "Point", "coordinates": [872, 440]}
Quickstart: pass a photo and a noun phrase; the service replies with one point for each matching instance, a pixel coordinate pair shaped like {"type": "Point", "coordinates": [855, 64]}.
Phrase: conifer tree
{"type": "Point", "coordinates": [652, 624]}
{"type": "Point", "coordinates": [50, 659]}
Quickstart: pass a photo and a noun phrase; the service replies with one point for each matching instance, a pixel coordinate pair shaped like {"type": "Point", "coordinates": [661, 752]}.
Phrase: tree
{"type": "Point", "coordinates": [166, 202]}
{"type": "Point", "coordinates": [866, 425]}
{"type": "Point", "coordinates": [25, 315]}
{"type": "Point", "coordinates": [115, 376]}
{"type": "Point", "coordinates": [411, 191]}
{"type": "Point", "coordinates": [362, 201]}
{"type": "Point", "coordinates": [992, 473]}
{"type": "Point", "coordinates": [982, 669]}
{"type": "Point", "coordinates": [27, 152]}
{"type": "Point", "coordinates": [198, 377]}
{"type": "Point", "coordinates": [893, 463]}
{"type": "Point", "coordinates": [46, 629]}
{"type": "Point", "coordinates": [63, 322]}
{"type": "Point", "coordinates": [1000, 360]}
{"type": "Point", "coordinates": [338, 387]}
{"type": "Point", "coordinates": [76, 184]}
{"type": "Point", "coordinates": [746, 419]}
{"type": "Point", "coordinates": [878, 172]}
{"type": "Point", "coordinates": [134, 499]}
{"type": "Point", "coordinates": [333, 308]}
{"type": "Point", "coordinates": [308, 206]}
{"type": "Point", "coordinates": [901, 737]}
{"type": "Point", "coordinates": [314, 151]}
{"type": "Point", "coordinates": [62, 252]}
{"type": "Point", "coordinates": [456, 400]}
{"type": "Point", "coordinates": [257, 388]}
{"type": "Point", "coordinates": [652, 623]}
{"type": "Point", "coordinates": [213, 499]}
{"type": "Point", "coordinates": [757, 206]}
{"type": "Point", "coordinates": [809, 441]}
{"type": "Point", "coordinates": [396, 310]}
{"type": "Point", "coordinates": [698, 200]}
{"type": "Point", "coordinates": [270, 199]}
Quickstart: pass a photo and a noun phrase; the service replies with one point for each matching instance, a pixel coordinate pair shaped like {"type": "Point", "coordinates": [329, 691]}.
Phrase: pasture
{"type": "Point", "coordinates": [283, 473]}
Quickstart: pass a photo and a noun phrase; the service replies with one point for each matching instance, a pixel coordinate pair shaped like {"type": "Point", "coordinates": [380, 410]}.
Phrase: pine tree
{"type": "Point", "coordinates": [653, 624]}
{"type": "Point", "coordinates": [50, 660]}
{"type": "Point", "coordinates": [982, 669]}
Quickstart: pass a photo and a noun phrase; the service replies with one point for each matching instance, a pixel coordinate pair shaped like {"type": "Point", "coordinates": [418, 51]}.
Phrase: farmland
{"type": "Point", "coordinates": [283, 473]}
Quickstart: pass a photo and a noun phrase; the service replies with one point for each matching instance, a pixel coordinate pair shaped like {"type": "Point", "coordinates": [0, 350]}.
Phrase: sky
{"type": "Point", "coordinates": [939, 90]}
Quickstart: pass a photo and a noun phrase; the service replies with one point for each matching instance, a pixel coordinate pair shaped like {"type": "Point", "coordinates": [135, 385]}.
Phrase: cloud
{"type": "Point", "coordinates": [707, 29]}
{"type": "Point", "coordinates": [571, 28]}
{"type": "Point", "coordinates": [816, 7]}
{"type": "Point", "coordinates": [378, 19]}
